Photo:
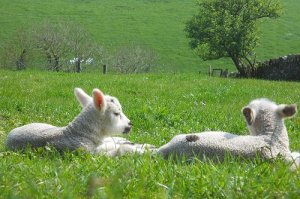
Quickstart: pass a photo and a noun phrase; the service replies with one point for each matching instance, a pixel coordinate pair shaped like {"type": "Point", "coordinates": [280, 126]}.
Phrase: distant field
{"type": "Point", "coordinates": [160, 106]}
{"type": "Point", "coordinates": [156, 24]}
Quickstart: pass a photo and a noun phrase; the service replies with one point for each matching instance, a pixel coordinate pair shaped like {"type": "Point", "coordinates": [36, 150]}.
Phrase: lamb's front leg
{"type": "Point", "coordinates": [118, 146]}
{"type": "Point", "coordinates": [114, 149]}
{"type": "Point", "coordinates": [124, 149]}
{"type": "Point", "coordinates": [294, 160]}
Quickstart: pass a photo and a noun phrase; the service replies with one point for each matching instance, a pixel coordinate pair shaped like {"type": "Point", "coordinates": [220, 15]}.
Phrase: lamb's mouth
{"type": "Point", "coordinates": [127, 130]}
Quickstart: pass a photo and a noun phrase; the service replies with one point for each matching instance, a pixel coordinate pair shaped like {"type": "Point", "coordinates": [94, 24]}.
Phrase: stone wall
{"type": "Point", "coordinates": [283, 68]}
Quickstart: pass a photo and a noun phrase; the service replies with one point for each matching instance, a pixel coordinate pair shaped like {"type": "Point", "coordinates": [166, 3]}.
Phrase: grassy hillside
{"type": "Point", "coordinates": [156, 24]}
{"type": "Point", "coordinates": [281, 36]}
{"type": "Point", "coordinates": [160, 106]}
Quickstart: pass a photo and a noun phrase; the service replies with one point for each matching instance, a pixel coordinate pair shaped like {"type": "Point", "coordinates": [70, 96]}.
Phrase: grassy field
{"type": "Point", "coordinates": [160, 106]}
{"type": "Point", "coordinates": [156, 24]}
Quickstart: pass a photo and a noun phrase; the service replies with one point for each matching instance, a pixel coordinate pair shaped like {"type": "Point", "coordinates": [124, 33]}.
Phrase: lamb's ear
{"type": "Point", "coordinates": [99, 99]}
{"type": "Point", "coordinates": [287, 110]}
{"type": "Point", "coordinates": [82, 97]}
{"type": "Point", "coordinates": [249, 115]}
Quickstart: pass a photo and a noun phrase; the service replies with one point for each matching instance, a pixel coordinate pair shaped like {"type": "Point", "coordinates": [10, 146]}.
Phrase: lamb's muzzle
{"type": "Point", "coordinates": [127, 128]}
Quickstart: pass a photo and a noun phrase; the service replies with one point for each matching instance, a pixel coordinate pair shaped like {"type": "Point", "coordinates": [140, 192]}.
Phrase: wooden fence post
{"type": "Point", "coordinates": [104, 69]}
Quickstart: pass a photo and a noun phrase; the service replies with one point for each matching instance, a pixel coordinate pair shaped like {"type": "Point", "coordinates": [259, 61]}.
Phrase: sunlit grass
{"type": "Point", "coordinates": [160, 106]}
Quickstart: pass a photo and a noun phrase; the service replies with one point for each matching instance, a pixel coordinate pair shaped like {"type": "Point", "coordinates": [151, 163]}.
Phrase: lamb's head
{"type": "Point", "coordinates": [264, 116]}
{"type": "Point", "coordinates": [116, 119]}
{"type": "Point", "coordinates": [107, 111]}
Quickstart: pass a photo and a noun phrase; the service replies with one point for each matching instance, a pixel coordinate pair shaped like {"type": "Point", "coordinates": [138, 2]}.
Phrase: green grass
{"type": "Point", "coordinates": [156, 24]}
{"type": "Point", "coordinates": [160, 106]}
{"type": "Point", "coordinates": [280, 37]}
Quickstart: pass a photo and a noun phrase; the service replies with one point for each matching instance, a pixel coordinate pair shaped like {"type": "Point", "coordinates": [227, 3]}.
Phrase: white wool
{"type": "Point", "coordinates": [118, 146]}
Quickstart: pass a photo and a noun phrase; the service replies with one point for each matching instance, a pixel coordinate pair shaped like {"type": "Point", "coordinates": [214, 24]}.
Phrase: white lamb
{"type": "Point", "coordinates": [268, 137]}
{"type": "Point", "coordinates": [101, 116]}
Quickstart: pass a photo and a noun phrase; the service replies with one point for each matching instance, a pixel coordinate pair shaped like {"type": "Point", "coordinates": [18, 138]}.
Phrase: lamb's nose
{"type": "Point", "coordinates": [127, 129]}
{"type": "Point", "coordinates": [130, 124]}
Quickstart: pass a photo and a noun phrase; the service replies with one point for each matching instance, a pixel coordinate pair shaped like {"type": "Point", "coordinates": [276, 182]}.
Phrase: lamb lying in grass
{"type": "Point", "coordinates": [101, 116]}
{"type": "Point", "coordinates": [268, 137]}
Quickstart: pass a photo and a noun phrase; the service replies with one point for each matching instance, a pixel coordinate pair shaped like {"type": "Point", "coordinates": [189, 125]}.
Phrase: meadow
{"type": "Point", "coordinates": [158, 25]}
{"type": "Point", "coordinates": [160, 106]}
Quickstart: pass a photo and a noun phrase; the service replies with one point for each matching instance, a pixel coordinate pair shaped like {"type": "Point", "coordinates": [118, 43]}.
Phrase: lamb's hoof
{"type": "Point", "coordinates": [192, 138]}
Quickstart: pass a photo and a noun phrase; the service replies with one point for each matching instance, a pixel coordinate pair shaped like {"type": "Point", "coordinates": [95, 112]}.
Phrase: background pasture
{"type": "Point", "coordinates": [158, 25]}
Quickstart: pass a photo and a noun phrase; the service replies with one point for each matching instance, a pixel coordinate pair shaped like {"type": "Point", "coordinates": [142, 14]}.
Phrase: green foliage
{"type": "Point", "coordinates": [229, 28]}
{"type": "Point", "coordinates": [160, 106]}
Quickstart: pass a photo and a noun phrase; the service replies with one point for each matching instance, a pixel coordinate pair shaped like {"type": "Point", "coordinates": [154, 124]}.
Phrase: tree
{"type": "Point", "coordinates": [16, 50]}
{"type": "Point", "coordinates": [82, 47]}
{"type": "Point", "coordinates": [50, 39]}
{"type": "Point", "coordinates": [65, 43]}
{"type": "Point", "coordinates": [134, 58]}
{"type": "Point", "coordinates": [229, 29]}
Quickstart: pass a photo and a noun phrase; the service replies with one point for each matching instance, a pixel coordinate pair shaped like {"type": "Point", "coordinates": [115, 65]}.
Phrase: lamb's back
{"type": "Point", "coordinates": [213, 145]}
{"type": "Point", "coordinates": [35, 135]}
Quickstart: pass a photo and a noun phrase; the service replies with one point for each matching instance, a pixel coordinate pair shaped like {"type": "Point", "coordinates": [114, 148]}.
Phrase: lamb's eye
{"type": "Point", "coordinates": [117, 114]}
